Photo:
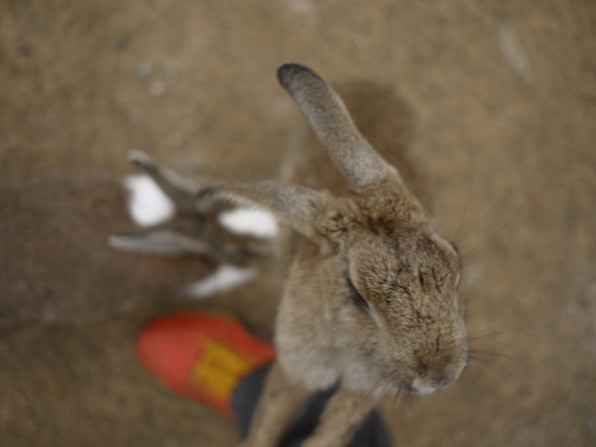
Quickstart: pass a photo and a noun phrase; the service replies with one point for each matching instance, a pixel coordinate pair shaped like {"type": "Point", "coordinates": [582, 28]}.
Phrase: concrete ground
{"type": "Point", "coordinates": [503, 103]}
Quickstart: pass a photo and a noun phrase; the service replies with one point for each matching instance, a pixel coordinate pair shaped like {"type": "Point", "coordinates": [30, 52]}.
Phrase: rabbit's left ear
{"type": "Point", "coordinates": [163, 239]}
{"type": "Point", "coordinates": [295, 206]}
{"type": "Point", "coordinates": [331, 122]}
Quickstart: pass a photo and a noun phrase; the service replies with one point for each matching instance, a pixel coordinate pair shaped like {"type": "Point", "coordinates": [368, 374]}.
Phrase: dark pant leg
{"type": "Point", "coordinates": [372, 432]}
{"type": "Point", "coordinates": [246, 395]}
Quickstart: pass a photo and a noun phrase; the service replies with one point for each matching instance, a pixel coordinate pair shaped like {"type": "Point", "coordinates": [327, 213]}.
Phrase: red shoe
{"type": "Point", "coordinates": [202, 355]}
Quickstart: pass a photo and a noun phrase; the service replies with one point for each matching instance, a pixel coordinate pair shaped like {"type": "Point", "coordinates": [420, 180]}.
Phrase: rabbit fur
{"type": "Point", "coordinates": [371, 297]}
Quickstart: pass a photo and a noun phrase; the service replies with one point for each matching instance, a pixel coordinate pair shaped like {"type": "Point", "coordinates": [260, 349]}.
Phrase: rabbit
{"type": "Point", "coordinates": [371, 295]}
{"type": "Point", "coordinates": [188, 231]}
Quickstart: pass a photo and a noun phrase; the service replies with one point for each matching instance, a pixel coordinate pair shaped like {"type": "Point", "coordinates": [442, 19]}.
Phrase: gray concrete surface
{"type": "Point", "coordinates": [503, 102]}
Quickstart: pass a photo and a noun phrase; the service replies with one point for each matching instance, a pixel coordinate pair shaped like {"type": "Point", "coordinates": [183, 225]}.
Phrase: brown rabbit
{"type": "Point", "coordinates": [371, 296]}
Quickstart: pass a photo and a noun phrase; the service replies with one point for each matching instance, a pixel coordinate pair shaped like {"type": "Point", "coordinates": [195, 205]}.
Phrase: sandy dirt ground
{"type": "Point", "coordinates": [502, 98]}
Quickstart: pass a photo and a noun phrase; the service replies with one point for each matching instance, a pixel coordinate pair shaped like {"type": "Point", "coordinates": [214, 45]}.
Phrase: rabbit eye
{"type": "Point", "coordinates": [356, 297]}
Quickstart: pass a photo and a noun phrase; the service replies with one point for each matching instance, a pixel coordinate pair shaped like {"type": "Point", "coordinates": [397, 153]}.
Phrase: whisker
{"type": "Point", "coordinates": [491, 335]}
{"type": "Point", "coordinates": [474, 358]}
{"type": "Point", "coordinates": [479, 353]}
{"type": "Point", "coordinates": [478, 248]}
{"type": "Point", "coordinates": [394, 402]}
{"type": "Point", "coordinates": [465, 211]}
{"type": "Point", "coordinates": [372, 388]}
{"type": "Point", "coordinates": [488, 362]}
{"type": "Point", "coordinates": [398, 411]}
{"type": "Point", "coordinates": [476, 374]}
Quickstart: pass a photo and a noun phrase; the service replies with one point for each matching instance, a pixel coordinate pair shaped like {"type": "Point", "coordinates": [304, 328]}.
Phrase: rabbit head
{"type": "Point", "coordinates": [385, 284]}
{"type": "Point", "coordinates": [392, 283]}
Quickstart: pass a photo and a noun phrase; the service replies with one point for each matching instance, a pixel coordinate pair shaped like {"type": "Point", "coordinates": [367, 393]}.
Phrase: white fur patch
{"type": "Point", "coordinates": [250, 221]}
{"type": "Point", "coordinates": [147, 204]}
{"type": "Point", "coordinates": [225, 278]}
{"type": "Point", "coordinates": [421, 387]}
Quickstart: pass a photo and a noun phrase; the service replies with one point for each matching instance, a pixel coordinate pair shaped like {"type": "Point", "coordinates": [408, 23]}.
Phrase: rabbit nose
{"type": "Point", "coordinates": [427, 383]}
{"type": "Point", "coordinates": [420, 386]}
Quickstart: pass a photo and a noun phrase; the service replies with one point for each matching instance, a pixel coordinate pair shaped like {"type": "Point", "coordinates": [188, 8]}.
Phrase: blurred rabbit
{"type": "Point", "coordinates": [190, 230]}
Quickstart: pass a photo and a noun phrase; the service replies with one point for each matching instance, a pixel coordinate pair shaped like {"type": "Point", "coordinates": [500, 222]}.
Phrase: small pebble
{"type": "Point", "coordinates": [157, 88]}
{"type": "Point", "coordinates": [144, 69]}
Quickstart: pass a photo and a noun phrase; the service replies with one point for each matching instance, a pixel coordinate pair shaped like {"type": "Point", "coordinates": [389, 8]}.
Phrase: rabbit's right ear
{"type": "Point", "coordinates": [179, 189]}
{"type": "Point", "coordinates": [295, 206]}
{"type": "Point", "coordinates": [327, 115]}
